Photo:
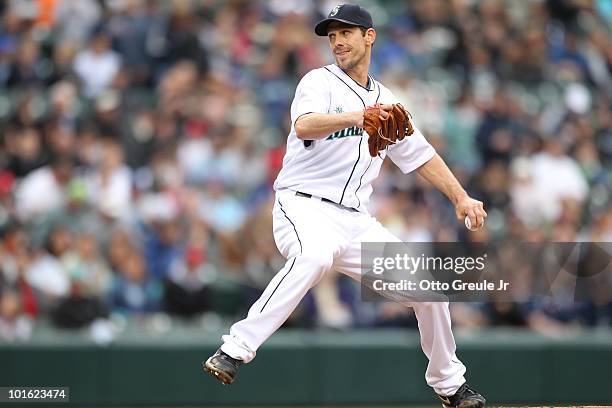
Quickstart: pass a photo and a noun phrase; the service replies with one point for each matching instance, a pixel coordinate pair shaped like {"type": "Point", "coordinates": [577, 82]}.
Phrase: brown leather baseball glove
{"type": "Point", "coordinates": [383, 132]}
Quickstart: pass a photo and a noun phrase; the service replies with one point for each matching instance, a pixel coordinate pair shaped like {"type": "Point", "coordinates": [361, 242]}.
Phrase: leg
{"type": "Point", "coordinates": [309, 234]}
{"type": "Point", "coordinates": [444, 371]}
{"type": "Point", "coordinates": [279, 299]}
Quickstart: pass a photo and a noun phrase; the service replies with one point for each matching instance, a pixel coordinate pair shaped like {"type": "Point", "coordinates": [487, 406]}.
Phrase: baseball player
{"type": "Point", "coordinates": [320, 216]}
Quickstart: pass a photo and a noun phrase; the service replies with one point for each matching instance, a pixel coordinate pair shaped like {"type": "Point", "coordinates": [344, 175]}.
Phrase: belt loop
{"type": "Point", "coordinates": [300, 194]}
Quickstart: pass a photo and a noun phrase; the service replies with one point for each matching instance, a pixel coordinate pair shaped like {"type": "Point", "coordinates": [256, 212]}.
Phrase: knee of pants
{"type": "Point", "coordinates": [317, 262]}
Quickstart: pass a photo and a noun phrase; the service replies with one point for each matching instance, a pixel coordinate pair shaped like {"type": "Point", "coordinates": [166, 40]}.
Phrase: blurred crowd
{"type": "Point", "coordinates": [139, 140]}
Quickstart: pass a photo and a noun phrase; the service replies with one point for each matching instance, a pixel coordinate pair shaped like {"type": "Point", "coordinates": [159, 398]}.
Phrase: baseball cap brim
{"type": "Point", "coordinates": [321, 27]}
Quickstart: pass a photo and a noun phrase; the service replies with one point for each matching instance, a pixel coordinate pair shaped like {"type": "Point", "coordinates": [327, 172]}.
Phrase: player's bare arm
{"type": "Point", "coordinates": [439, 175]}
{"type": "Point", "coordinates": [314, 126]}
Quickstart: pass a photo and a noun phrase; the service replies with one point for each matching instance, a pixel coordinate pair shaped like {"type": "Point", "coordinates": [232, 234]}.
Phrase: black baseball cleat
{"type": "Point", "coordinates": [223, 367]}
{"type": "Point", "coordinates": [465, 397]}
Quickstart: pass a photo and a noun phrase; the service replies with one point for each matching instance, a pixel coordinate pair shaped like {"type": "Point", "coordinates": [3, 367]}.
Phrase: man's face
{"type": "Point", "coordinates": [348, 45]}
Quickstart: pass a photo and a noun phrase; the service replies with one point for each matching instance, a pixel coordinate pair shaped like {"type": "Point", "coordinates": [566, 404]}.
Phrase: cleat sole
{"type": "Point", "coordinates": [218, 375]}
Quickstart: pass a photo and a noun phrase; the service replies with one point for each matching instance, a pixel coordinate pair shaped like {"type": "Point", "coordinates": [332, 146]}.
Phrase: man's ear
{"type": "Point", "coordinates": [370, 36]}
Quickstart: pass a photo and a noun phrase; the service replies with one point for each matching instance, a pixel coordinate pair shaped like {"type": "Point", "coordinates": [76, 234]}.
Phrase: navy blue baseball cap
{"type": "Point", "coordinates": [345, 13]}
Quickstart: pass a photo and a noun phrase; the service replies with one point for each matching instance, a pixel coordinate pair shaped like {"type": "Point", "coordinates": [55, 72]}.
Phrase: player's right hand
{"type": "Point", "coordinates": [473, 209]}
{"type": "Point", "coordinates": [386, 108]}
{"type": "Point", "coordinates": [383, 110]}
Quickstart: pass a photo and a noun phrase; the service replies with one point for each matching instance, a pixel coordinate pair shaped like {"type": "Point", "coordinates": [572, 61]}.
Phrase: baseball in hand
{"type": "Point", "coordinates": [468, 224]}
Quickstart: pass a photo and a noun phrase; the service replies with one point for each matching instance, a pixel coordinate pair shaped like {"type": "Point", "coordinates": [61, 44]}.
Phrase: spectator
{"type": "Point", "coordinates": [553, 177]}
{"type": "Point", "coordinates": [86, 266]}
{"type": "Point", "coordinates": [163, 246]}
{"type": "Point", "coordinates": [25, 69]}
{"type": "Point", "coordinates": [78, 309]}
{"type": "Point", "coordinates": [109, 183]}
{"type": "Point", "coordinates": [97, 65]}
{"type": "Point", "coordinates": [25, 149]}
{"type": "Point", "coordinates": [46, 273]}
{"type": "Point", "coordinates": [14, 261]}
{"type": "Point", "coordinates": [133, 290]}
{"type": "Point", "coordinates": [187, 291]}
{"type": "Point", "coordinates": [49, 182]}
{"type": "Point", "coordinates": [74, 19]}
{"type": "Point", "coordinates": [14, 326]}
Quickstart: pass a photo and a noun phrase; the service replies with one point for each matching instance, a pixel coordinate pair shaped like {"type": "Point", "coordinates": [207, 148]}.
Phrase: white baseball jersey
{"type": "Point", "coordinates": [317, 237]}
{"type": "Point", "coordinates": [339, 167]}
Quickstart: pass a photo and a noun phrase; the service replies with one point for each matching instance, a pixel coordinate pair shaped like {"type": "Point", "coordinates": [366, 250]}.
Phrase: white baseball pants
{"type": "Point", "coordinates": [316, 237]}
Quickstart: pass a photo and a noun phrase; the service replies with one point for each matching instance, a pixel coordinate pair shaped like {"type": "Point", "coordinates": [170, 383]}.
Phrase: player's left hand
{"type": "Point", "coordinates": [386, 125]}
{"type": "Point", "coordinates": [473, 209]}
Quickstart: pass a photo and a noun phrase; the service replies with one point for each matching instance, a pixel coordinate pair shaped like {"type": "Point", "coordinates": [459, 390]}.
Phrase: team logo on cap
{"type": "Point", "coordinates": [335, 10]}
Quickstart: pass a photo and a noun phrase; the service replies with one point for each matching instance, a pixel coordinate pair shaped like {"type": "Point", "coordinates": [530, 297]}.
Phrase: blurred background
{"type": "Point", "coordinates": [139, 140]}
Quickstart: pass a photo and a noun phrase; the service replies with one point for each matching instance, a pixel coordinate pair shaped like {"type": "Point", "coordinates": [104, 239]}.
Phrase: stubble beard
{"type": "Point", "coordinates": [351, 63]}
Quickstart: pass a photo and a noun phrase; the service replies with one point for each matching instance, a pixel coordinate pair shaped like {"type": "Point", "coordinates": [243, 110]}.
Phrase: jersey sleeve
{"type": "Point", "coordinates": [311, 96]}
{"type": "Point", "coordinates": [412, 152]}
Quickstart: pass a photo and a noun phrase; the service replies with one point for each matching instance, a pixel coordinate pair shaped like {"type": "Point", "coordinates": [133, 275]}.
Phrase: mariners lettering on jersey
{"type": "Point", "coordinates": [352, 131]}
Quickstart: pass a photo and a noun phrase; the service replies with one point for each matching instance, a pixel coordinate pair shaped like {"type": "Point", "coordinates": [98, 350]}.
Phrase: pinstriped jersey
{"type": "Point", "coordinates": [339, 167]}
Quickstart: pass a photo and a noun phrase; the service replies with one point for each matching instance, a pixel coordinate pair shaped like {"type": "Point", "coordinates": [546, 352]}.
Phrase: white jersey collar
{"type": "Point", "coordinates": [339, 71]}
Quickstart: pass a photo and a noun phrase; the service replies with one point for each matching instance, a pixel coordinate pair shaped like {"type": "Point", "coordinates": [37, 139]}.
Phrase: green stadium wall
{"type": "Point", "coordinates": [314, 368]}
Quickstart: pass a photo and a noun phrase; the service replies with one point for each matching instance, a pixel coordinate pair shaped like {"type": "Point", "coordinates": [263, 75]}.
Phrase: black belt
{"type": "Point", "coordinates": [300, 194]}
{"type": "Point", "coordinates": [327, 200]}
